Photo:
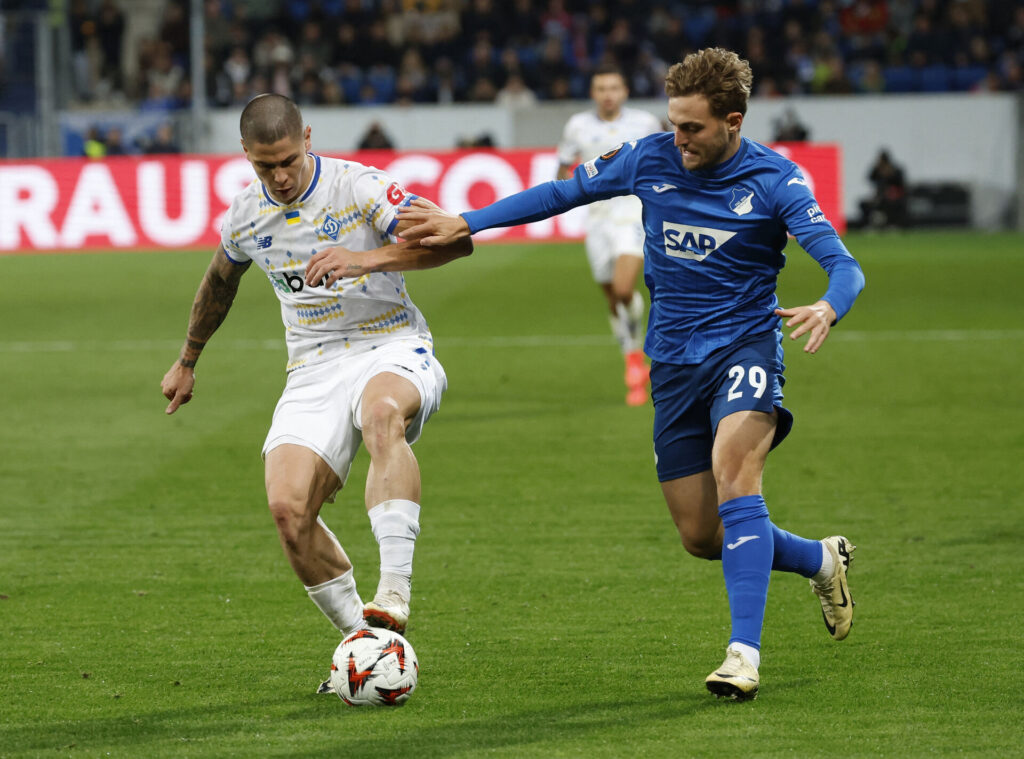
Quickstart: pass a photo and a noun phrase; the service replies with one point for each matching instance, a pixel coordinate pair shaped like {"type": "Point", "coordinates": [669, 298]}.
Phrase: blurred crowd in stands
{"type": "Point", "coordinates": [517, 52]}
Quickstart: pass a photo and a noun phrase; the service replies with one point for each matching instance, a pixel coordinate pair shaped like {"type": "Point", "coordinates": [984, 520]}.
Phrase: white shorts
{"type": "Point", "coordinates": [614, 228]}
{"type": "Point", "coordinates": [321, 406]}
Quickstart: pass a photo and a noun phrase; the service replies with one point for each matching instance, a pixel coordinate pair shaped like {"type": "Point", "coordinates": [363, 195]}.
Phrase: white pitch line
{"type": "Point", "coordinates": [497, 341]}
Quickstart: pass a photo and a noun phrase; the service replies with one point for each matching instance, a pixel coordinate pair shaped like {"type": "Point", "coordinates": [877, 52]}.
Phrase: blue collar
{"type": "Point", "coordinates": [309, 190]}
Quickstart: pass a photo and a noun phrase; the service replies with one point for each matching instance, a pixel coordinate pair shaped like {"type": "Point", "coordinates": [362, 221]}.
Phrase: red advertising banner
{"type": "Point", "coordinates": [146, 203]}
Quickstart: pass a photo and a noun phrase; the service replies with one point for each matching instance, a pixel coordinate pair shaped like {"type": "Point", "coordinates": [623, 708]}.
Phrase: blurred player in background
{"type": "Point", "coordinates": [615, 234]}
{"type": "Point", "coordinates": [717, 209]}
{"type": "Point", "coordinates": [361, 364]}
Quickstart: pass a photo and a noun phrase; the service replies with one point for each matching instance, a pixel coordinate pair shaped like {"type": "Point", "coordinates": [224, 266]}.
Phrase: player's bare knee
{"type": "Point", "coordinates": [738, 487]}
{"type": "Point", "coordinates": [701, 546]}
{"type": "Point", "coordinates": [383, 425]}
{"type": "Point", "coordinates": [293, 518]}
{"type": "Point", "coordinates": [702, 550]}
{"type": "Point", "coordinates": [735, 478]}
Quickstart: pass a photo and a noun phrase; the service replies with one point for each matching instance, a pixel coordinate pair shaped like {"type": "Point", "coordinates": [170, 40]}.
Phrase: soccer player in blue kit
{"type": "Point", "coordinates": [717, 210]}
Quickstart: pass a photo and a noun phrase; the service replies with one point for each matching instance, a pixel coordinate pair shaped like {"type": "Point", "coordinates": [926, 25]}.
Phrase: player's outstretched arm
{"type": "Point", "coordinates": [433, 226]}
{"type": "Point", "coordinates": [816, 319]}
{"type": "Point", "coordinates": [332, 264]}
{"type": "Point", "coordinates": [430, 225]}
{"type": "Point", "coordinates": [213, 301]}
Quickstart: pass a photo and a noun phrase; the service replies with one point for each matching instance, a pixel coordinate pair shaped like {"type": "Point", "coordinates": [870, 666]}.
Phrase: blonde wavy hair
{"type": "Point", "coordinates": [718, 74]}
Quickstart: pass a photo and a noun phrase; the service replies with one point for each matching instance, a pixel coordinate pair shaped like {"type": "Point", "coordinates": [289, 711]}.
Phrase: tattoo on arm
{"type": "Point", "coordinates": [213, 301]}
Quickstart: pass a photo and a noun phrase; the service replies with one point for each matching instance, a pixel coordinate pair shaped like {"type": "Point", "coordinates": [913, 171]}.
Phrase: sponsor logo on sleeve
{"type": "Point", "coordinates": [815, 215]}
{"type": "Point", "coordinates": [611, 153]}
{"type": "Point", "coordinates": [394, 194]}
{"type": "Point", "coordinates": [693, 243]}
{"type": "Point", "coordinates": [591, 168]}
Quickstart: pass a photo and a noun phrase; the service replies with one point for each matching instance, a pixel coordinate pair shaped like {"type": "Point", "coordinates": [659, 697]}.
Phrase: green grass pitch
{"type": "Point", "coordinates": [146, 608]}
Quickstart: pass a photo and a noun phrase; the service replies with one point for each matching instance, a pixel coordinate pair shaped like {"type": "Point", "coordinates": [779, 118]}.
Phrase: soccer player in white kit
{"type": "Point", "coordinates": [615, 236]}
{"type": "Point", "coordinates": [361, 366]}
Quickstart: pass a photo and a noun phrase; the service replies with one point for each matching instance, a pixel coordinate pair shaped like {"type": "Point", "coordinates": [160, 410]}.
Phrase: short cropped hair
{"type": "Point", "coordinates": [608, 68]}
{"type": "Point", "coordinates": [716, 73]}
{"type": "Point", "coordinates": [269, 118]}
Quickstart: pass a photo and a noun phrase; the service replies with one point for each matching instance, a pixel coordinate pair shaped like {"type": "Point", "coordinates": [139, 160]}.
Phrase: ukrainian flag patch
{"type": "Point", "coordinates": [292, 217]}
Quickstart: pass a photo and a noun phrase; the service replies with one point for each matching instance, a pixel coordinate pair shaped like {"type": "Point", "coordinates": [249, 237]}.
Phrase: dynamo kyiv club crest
{"type": "Point", "coordinates": [331, 228]}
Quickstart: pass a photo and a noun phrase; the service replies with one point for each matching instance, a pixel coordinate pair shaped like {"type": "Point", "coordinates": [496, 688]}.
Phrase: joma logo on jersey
{"type": "Point", "coordinates": [693, 243]}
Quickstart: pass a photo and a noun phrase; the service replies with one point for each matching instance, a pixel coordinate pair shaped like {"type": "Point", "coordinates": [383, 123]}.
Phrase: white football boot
{"type": "Point", "coordinates": [834, 593]}
{"type": "Point", "coordinates": [736, 678]}
{"type": "Point", "coordinates": [389, 610]}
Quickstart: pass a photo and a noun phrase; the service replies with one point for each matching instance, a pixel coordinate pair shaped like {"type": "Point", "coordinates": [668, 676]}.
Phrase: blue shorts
{"type": "Point", "coordinates": [690, 400]}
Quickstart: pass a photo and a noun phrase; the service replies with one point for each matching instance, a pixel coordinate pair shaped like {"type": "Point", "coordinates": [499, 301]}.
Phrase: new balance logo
{"type": "Point", "coordinates": [693, 243]}
{"type": "Point", "coordinates": [659, 188]}
{"type": "Point", "coordinates": [741, 541]}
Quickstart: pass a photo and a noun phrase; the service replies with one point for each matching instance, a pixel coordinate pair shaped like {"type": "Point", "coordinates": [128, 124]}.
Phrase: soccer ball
{"type": "Point", "coordinates": [374, 667]}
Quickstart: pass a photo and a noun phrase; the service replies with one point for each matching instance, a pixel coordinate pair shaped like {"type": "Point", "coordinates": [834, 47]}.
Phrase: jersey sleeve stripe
{"type": "Point", "coordinates": [236, 263]}
{"type": "Point", "coordinates": [394, 222]}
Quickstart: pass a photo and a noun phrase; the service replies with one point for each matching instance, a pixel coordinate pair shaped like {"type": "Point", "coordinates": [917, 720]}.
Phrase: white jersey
{"type": "Point", "coordinates": [587, 136]}
{"type": "Point", "coordinates": [346, 204]}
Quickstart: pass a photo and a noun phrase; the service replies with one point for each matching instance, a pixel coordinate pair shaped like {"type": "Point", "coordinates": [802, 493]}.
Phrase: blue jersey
{"type": "Point", "coordinates": [714, 239]}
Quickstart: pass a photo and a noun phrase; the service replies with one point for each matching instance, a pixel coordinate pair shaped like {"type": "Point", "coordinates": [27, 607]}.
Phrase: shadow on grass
{"type": "Point", "coordinates": [587, 722]}
{"type": "Point", "coordinates": [203, 730]}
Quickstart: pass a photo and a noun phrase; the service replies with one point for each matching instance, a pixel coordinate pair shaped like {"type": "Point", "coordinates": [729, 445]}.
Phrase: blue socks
{"type": "Point", "coordinates": [747, 554]}
{"type": "Point", "coordinates": [792, 553]}
{"type": "Point", "coordinates": [796, 554]}
{"type": "Point", "coordinates": [751, 548]}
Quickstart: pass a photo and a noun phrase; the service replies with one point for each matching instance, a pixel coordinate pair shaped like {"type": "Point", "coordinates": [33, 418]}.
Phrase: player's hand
{"type": "Point", "coordinates": [816, 319]}
{"type": "Point", "coordinates": [332, 264]}
{"type": "Point", "coordinates": [177, 386]}
{"type": "Point", "coordinates": [431, 226]}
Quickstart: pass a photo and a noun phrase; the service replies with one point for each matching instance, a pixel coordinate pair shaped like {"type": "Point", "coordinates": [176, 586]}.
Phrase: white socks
{"type": "Point", "coordinates": [620, 328]}
{"type": "Point", "coordinates": [751, 654]}
{"type": "Point", "coordinates": [339, 602]}
{"type": "Point", "coordinates": [636, 315]}
{"type": "Point", "coordinates": [828, 565]}
{"type": "Point", "coordinates": [396, 525]}
{"type": "Point", "coordinates": [626, 323]}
